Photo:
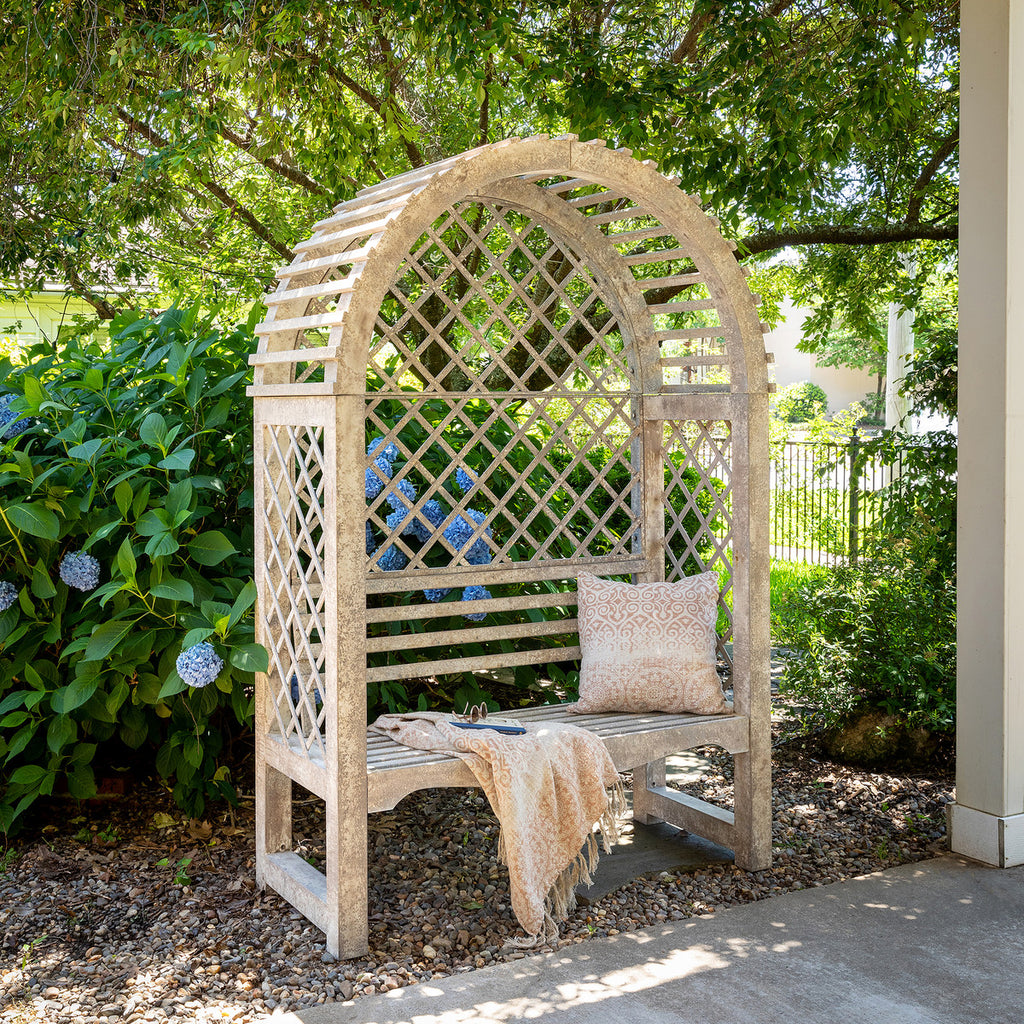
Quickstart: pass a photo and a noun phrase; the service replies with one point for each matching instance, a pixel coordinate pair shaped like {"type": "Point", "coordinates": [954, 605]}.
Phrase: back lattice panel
{"type": "Point", "coordinates": [462, 482]}
{"type": "Point", "coordinates": [292, 612]}
{"type": "Point", "coordinates": [698, 507]}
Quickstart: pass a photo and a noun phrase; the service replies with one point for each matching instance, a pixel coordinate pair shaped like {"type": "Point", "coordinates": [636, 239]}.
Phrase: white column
{"type": "Point", "coordinates": [987, 821]}
{"type": "Point", "coordinates": [899, 349]}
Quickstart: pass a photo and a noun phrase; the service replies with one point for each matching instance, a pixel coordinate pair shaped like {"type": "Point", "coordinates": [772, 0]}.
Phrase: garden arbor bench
{"type": "Point", "coordinates": [556, 365]}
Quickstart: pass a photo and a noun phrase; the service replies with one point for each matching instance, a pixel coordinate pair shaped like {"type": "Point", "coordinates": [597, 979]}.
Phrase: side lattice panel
{"type": "Point", "coordinates": [294, 579]}
{"type": "Point", "coordinates": [699, 528]}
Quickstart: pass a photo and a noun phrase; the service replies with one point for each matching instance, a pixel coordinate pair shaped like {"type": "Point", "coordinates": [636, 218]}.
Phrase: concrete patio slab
{"type": "Point", "coordinates": [939, 942]}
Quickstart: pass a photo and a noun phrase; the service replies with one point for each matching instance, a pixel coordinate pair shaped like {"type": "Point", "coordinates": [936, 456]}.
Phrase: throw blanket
{"type": "Point", "coordinates": [548, 788]}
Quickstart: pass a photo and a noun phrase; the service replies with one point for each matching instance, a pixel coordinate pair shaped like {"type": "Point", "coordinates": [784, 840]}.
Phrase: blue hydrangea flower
{"type": "Point", "coordinates": [375, 481]}
{"type": "Point", "coordinates": [435, 514]}
{"type": "Point", "coordinates": [475, 594]}
{"type": "Point", "coordinates": [396, 520]}
{"type": "Point", "coordinates": [437, 595]}
{"type": "Point", "coordinates": [11, 423]}
{"type": "Point", "coordinates": [79, 570]}
{"type": "Point", "coordinates": [465, 480]}
{"type": "Point", "coordinates": [458, 532]}
{"type": "Point", "coordinates": [423, 525]}
{"type": "Point", "coordinates": [392, 559]}
{"type": "Point", "coordinates": [371, 543]}
{"type": "Point", "coordinates": [389, 454]}
{"type": "Point", "coordinates": [199, 665]}
{"type": "Point", "coordinates": [401, 495]}
{"type": "Point", "coordinates": [8, 594]}
{"type": "Point", "coordinates": [317, 696]}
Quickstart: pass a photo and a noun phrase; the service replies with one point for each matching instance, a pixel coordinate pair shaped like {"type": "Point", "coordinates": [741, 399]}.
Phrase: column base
{"type": "Point", "coordinates": [985, 837]}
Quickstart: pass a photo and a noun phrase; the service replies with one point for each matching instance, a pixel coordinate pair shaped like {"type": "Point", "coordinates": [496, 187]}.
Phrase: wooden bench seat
{"type": "Point", "coordinates": [394, 771]}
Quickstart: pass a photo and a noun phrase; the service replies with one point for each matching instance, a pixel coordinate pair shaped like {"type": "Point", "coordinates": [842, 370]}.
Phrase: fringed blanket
{"type": "Point", "coordinates": [548, 788]}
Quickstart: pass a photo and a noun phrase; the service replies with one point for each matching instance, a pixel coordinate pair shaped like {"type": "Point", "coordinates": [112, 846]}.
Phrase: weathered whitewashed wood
{"type": "Point", "coordinates": [632, 741]}
{"type": "Point", "coordinates": [493, 306]}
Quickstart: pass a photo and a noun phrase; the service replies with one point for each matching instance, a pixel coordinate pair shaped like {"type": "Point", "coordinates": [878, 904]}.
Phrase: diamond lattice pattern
{"type": "Point", "coordinates": [293, 610]}
{"type": "Point", "coordinates": [698, 506]}
{"type": "Point", "coordinates": [472, 482]}
{"type": "Point", "coordinates": [488, 301]}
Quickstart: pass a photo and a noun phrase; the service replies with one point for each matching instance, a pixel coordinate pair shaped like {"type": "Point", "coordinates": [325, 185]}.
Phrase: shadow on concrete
{"type": "Point", "coordinates": [941, 942]}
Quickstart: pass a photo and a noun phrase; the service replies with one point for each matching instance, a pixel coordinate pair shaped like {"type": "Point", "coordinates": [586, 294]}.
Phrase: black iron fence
{"type": "Point", "coordinates": [824, 497]}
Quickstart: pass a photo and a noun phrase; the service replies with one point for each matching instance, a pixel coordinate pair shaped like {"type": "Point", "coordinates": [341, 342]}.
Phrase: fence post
{"type": "Point", "coordinates": [854, 492]}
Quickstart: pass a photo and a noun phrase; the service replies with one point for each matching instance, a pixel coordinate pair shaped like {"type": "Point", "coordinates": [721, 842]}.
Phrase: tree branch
{"type": "Point", "coordinates": [104, 308]}
{"type": "Point", "coordinates": [373, 102]}
{"type": "Point", "coordinates": [219, 193]}
{"type": "Point", "coordinates": [293, 174]}
{"type": "Point", "coordinates": [687, 49]}
{"type": "Point", "coordinates": [842, 234]}
{"type": "Point", "coordinates": [941, 155]}
{"type": "Point", "coordinates": [485, 106]}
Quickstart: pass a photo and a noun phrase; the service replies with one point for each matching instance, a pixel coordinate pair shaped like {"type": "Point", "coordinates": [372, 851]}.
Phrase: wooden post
{"type": "Point", "coordinates": [652, 465]}
{"type": "Point", "coordinates": [347, 883]}
{"type": "Point", "coordinates": [752, 792]}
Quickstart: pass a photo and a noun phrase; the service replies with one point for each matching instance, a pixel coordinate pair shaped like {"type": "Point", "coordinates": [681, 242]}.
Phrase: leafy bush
{"type": "Point", "coordinates": [125, 538]}
{"type": "Point", "coordinates": [876, 637]}
{"type": "Point", "coordinates": [884, 635]}
{"type": "Point", "coordinates": [800, 402]}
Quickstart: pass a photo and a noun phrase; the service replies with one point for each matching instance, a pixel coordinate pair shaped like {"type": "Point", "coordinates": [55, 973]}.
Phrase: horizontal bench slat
{"type": "Point", "coordinates": [455, 637]}
{"type": "Point", "coordinates": [541, 656]}
{"type": "Point", "coordinates": [517, 602]}
{"type": "Point", "coordinates": [406, 580]}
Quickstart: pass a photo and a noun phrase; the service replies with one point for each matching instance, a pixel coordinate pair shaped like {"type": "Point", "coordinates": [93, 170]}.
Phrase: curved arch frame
{"type": "Point", "coordinates": [310, 461]}
{"type": "Point", "coordinates": [377, 228]}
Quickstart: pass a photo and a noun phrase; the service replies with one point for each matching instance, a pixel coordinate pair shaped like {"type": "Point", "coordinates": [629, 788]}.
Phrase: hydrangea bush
{"type": "Point", "coordinates": [425, 526]}
{"type": "Point", "coordinates": [126, 559]}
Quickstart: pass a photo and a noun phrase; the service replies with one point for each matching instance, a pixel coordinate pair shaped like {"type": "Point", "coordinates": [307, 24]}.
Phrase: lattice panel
{"type": "Point", "coordinates": [698, 506]}
{"type": "Point", "coordinates": [292, 611]}
{"type": "Point", "coordinates": [488, 301]}
{"type": "Point", "coordinates": [686, 321]}
{"type": "Point", "coordinates": [465, 481]}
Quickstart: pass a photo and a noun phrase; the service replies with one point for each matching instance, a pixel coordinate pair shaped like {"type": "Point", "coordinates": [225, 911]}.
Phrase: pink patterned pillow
{"type": "Point", "coordinates": [649, 646]}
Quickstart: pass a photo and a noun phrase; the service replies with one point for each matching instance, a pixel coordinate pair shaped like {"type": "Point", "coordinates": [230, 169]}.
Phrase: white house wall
{"type": "Point", "coordinates": [842, 385]}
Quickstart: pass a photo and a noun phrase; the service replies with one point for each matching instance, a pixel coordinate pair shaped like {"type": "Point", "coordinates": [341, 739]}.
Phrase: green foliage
{"type": "Point", "coordinates": [788, 579]}
{"type": "Point", "coordinates": [884, 635]}
{"type": "Point", "coordinates": [876, 637]}
{"type": "Point", "coordinates": [192, 143]}
{"type": "Point", "coordinates": [140, 456]}
{"type": "Point", "coordinates": [800, 402]}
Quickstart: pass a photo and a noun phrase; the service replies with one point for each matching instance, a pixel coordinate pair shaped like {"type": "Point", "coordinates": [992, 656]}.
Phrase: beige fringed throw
{"type": "Point", "coordinates": [548, 788]}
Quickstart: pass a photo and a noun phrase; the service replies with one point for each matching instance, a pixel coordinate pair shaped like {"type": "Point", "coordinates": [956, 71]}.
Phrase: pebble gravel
{"type": "Point", "coordinates": [124, 911]}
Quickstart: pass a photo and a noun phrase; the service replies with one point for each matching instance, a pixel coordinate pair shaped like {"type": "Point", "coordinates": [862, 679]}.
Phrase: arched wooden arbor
{"type": "Point", "coordinates": [566, 327]}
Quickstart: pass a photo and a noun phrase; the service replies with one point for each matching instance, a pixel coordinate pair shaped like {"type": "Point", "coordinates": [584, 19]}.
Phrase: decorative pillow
{"type": "Point", "coordinates": [649, 646]}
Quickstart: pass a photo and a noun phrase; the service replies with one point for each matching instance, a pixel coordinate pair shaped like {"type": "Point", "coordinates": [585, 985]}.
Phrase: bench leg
{"type": "Point", "coordinates": [347, 867]}
{"type": "Point", "coordinates": [273, 815]}
{"type": "Point", "coordinates": [753, 808]}
{"type": "Point", "coordinates": [644, 777]}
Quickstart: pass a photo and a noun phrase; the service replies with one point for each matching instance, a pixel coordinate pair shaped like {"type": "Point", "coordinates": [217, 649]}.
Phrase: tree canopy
{"type": "Point", "coordinates": [186, 147]}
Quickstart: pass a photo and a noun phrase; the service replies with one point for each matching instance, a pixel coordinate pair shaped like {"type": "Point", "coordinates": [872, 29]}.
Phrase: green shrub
{"type": "Point", "coordinates": [788, 581]}
{"type": "Point", "coordinates": [884, 635]}
{"type": "Point", "coordinates": [800, 402]}
{"type": "Point", "coordinates": [876, 637]}
{"type": "Point", "coordinates": [138, 455]}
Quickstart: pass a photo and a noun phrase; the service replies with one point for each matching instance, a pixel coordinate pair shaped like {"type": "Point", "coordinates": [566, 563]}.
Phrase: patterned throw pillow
{"type": "Point", "coordinates": [649, 646]}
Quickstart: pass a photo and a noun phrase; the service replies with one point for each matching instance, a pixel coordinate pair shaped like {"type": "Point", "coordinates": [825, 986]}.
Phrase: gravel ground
{"type": "Point", "coordinates": [123, 911]}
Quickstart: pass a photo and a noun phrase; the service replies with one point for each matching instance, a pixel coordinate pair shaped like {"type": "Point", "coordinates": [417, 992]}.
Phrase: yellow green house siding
{"type": "Point", "coordinates": [39, 315]}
